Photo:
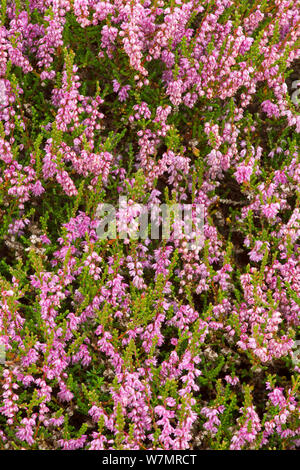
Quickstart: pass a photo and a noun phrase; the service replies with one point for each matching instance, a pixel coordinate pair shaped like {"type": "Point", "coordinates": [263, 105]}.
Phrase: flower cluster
{"type": "Point", "coordinates": [131, 342]}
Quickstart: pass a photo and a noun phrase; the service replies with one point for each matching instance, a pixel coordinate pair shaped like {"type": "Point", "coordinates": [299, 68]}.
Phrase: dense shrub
{"type": "Point", "coordinates": [145, 343]}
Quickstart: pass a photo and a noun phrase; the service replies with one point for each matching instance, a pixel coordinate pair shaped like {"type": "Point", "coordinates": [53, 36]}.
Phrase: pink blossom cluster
{"type": "Point", "coordinates": [149, 343]}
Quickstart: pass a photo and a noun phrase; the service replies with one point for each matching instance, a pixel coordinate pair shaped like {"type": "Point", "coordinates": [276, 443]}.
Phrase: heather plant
{"type": "Point", "coordinates": [140, 342]}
